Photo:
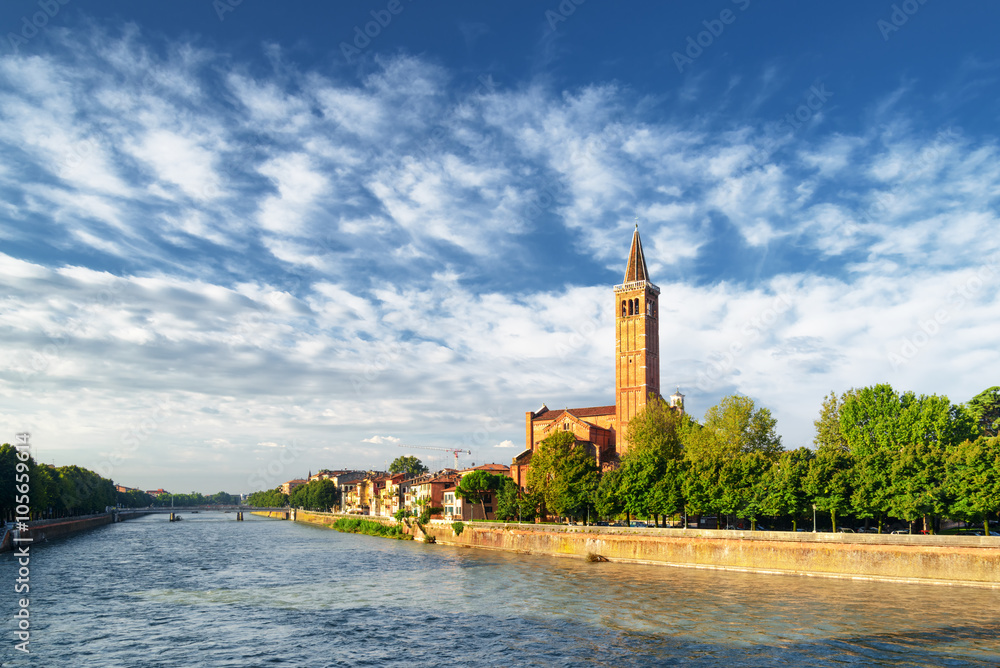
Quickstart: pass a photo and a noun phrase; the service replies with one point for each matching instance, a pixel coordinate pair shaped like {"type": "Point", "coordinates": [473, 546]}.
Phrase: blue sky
{"type": "Point", "coordinates": [242, 242]}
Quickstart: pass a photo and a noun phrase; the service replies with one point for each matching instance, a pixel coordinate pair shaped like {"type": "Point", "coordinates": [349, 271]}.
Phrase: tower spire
{"type": "Point", "coordinates": [636, 270]}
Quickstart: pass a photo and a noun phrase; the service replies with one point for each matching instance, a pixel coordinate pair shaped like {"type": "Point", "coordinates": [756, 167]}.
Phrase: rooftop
{"type": "Point", "coordinates": [591, 411]}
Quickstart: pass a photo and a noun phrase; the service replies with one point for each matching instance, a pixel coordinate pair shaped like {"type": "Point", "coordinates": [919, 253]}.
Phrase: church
{"type": "Point", "coordinates": [601, 429]}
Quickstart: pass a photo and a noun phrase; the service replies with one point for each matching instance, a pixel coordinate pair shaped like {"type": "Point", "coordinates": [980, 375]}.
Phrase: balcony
{"type": "Point", "coordinates": [636, 285]}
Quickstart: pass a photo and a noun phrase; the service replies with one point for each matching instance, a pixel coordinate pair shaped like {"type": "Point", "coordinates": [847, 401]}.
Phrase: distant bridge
{"type": "Point", "coordinates": [181, 509]}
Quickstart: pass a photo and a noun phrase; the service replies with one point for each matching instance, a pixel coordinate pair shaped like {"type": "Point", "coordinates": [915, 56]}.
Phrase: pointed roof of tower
{"type": "Point", "coordinates": [636, 268]}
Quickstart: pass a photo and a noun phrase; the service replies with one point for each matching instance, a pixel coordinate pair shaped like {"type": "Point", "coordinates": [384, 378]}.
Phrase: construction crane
{"type": "Point", "coordinates": [454, 451]}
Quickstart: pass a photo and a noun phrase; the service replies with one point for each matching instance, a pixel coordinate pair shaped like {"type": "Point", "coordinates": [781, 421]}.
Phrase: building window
{"type": "Point", "coordinates": [630, 307]}
{"type": "Point", "coordinates": [623, 308]}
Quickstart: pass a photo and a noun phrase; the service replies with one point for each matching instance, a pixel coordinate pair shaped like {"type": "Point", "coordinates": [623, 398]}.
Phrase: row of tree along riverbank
{"type": "Point", "coordinates": [882, 458]}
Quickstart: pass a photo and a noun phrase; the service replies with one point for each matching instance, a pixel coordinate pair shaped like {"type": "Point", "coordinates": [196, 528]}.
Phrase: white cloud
{"type": "Point", "coordinates": [299, 186]}
{"type": "Point", "coordinates": [420, 260]}
{"type": "Point", "coordinates": [179, 160]}
{"type": "Point", "coordinates": [380, 440]}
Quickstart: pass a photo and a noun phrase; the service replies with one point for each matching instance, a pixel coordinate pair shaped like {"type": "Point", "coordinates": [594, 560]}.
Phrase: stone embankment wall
{"type": "Point", "coordinates": [314, 517]}
{"type": "Point", "coordinates": [955, 560]}
{"type": "Point", "coordinates": [273, 514]}
{"type": "Point", "coordinates": [40, 530]}
{"type": "Point", "coordinates": [966, 560]}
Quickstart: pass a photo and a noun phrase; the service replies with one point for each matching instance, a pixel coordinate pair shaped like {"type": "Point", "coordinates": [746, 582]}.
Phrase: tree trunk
{"type": "Point", "coordinates": [833, 520]}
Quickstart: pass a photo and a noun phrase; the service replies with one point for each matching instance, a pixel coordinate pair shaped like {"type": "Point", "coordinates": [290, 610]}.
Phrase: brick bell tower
{"type": "Point", "coordinates": [637, 342]}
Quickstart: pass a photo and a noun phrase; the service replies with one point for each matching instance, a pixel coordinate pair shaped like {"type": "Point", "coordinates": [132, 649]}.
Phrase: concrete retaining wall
{"type": "Point", "coordinates": [955, 560]}
{"type": "Point", "coordinates": [40, 530]}
{"type": "Point", "coordinates": [925, 559]}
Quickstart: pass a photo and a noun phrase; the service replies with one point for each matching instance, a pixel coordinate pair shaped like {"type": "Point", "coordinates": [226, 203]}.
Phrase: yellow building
{"type": "Point", "coordinates": [601, 429]}
{"type": "Point", "coordinates": [292, 485]}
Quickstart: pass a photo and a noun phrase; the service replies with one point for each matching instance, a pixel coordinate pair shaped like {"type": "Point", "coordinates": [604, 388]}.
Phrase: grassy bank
{"type": "Point", "coordinates": [370, 528]}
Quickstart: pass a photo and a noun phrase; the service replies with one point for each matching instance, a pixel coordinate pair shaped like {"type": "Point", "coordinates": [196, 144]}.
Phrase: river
{"type": "Point", "coordinates": [210, 591]}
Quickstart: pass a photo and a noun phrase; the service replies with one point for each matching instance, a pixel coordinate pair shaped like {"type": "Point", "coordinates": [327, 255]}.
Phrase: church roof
{"type": "Point", "coordinates": [636, 270]}
{"type": "Point", "coordinates": [591, 411]}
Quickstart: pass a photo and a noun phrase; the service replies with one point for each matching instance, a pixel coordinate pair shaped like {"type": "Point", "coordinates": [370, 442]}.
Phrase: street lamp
{"type": "Point", "coordinates": [814, 518]}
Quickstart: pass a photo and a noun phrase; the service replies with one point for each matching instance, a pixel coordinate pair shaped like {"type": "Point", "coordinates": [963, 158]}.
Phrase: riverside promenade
{"type": "Point", "coordinates": [972, 561]}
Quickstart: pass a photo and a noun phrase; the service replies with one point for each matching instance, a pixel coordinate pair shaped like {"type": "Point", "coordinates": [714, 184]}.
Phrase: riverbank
{"type": "Point", "coordinates": [972, 561]}
{"type": "Point", "coordinates": [40, 530]}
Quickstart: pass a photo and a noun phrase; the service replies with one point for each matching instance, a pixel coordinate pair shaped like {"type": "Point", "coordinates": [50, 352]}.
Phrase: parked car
{"type": "Point", "coordinates": [898, 532]}
{"type": "Point", "coordinates": [845, 530]}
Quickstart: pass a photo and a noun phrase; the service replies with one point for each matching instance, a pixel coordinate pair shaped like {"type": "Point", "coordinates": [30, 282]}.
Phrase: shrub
{"type": "Point", "coordinates": [457, 527]}
{"type": "Point", "coordinates": [370, 528]}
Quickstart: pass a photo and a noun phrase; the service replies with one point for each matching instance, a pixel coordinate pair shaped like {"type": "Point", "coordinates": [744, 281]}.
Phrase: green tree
{"type": "Point", "coordinates": [564, 474]}
{"type": "Point", "coordinates": [8, 471]}
{"type": "Point", "coordinates": [733, 426]}
{"type": "Point", "coordinates": [506, 500]}
{"type": "Point", "coordinates": [972, 480]}
{"type": "Point", "coordinates": [703, 486]}
{"type": "Point", "coordinates": [984, 409]}
{"type": "Point", "coordinates": [667, 496]}
{"type": "Point", "coordinates": [786, 493]}
{"type": "Point", "coordinates": [607, 499]}
{"type": "Point", "coordinates": [44, 489]}
{"type": "Point", "coordinates": [81, 491]}
{"type": "Point", "coordinates": [752, 485]}
{"type": "Point", "coordinates": [828, 432]}
{"type": "Point", "coordinates": [134, 498]}
{"type": "Point", "coordinates": [872, 485]}
{"type": "Point", "coordinates": [829, 482]}
{"type": "Point", "coordinates": [407, 464]}
{"type": "Point", "coordinates": [917, 476]}
{"type": "Point", "coordinates": [513, 503]}
{"type": "Point", "coordinates": [271, 498]}
{"type": "Point", "coordinates": [478, 485]}
{"type": "Point", "coordinates": [878, 417]}
{"type": "Point", "coordinates": [649, 482]}
{"type": "Point", "coordinates": [325, 494]}
{"type": "Point", "coordinates": [899, 442]}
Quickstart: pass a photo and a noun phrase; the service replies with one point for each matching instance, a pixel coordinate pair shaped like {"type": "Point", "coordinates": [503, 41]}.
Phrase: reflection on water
{"type": "Point", "coordinates": [216, 592]}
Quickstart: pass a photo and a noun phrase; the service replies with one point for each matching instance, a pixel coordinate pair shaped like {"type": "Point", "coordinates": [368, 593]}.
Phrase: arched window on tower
{"type": "Point", "coordinates": [630, 307]}
{"type": "Point", "coordinates": [623, 308]}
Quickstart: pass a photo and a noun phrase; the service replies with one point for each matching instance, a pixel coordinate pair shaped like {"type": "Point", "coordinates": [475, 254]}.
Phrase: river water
{"type": "Point", "coordinates": [210, 591]}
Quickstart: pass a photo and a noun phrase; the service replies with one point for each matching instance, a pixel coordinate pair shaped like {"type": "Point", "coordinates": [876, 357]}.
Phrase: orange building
{"type": "Point", "coordinates": [601, 429]}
